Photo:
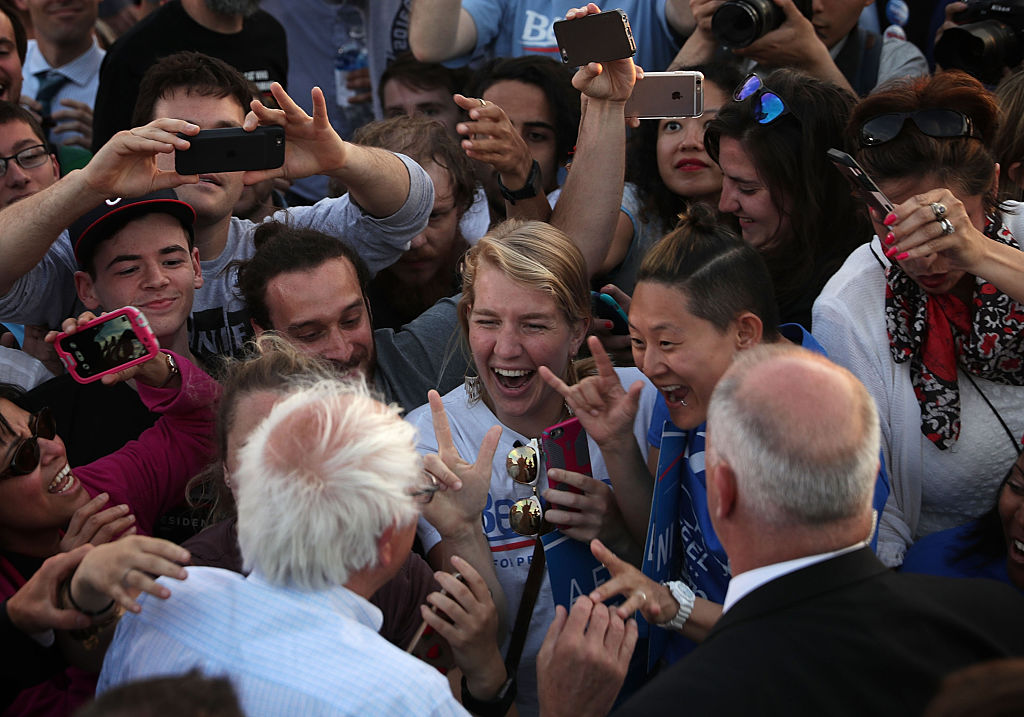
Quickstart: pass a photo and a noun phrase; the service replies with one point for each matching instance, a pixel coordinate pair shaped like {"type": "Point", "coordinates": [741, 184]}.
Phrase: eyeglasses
{"type": "Point", "coordinates": [425, 493]}
{"type": "Point", "coordinates": [768, 106]}
{"type": "Point", "coordinates": [28, 158]}
{"type": "Point", "coordinates": [526, 516]}
{"type": "Point", "coordinates": [938, 123]}
{"type": "Point", "coordinates": [26, 453]}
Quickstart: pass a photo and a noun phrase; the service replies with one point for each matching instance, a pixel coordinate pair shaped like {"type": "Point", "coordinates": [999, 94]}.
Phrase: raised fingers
{"type": "Point", "coordinates": [442, 429]}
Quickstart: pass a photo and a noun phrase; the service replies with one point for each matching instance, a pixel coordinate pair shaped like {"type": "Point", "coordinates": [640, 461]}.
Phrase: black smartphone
{"type": "Point", "coordinates": [605, 307]}
{"type": "Point", "coordinates": [878, 204]}
{"type": "Point", "coordinates": [667, 95]}
{"type": "Point", "coordinates": [603, 37]}
{"type": "Point", "coordinates": [231, 149]}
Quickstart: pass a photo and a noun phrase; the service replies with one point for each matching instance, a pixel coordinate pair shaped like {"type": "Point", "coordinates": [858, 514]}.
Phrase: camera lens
{"type": "Point", "coordinates": [981, 49]}
{"type": "Point", "coordinates": [738, 23]}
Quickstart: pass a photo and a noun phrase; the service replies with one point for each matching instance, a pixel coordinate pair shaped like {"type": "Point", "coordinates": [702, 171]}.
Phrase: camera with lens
{"type": "Point", "coordinates": [738, 23]}
{"type": "Point", "coordinates": [990, 37]}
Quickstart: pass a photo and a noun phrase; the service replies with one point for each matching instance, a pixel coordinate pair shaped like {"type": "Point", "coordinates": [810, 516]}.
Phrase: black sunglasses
{"type": "Point", "coordinates": [26, 453]}
{"type": "Point", "coordinates": [938, 123]}
{"type": "Point", "coordinates": [768, 106]}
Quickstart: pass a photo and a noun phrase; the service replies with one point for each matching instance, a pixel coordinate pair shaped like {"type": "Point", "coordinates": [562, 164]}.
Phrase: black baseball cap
{"type": "Point", "coordinates": [101, 222]}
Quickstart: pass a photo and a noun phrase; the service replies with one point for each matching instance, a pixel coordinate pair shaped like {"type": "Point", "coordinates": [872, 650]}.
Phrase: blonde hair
{"type": "Point", "coordinates": [538, 256]}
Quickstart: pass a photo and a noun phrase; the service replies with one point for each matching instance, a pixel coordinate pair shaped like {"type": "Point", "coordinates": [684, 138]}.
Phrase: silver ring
{"type": "Point", "coordinates": [947, 226]}
{"type": "Point", "coordinates": [642, 594]}
{"type": "Point", "coordinates": [939, 210]}
{"type": "Point", "coordinates": [483, 103]}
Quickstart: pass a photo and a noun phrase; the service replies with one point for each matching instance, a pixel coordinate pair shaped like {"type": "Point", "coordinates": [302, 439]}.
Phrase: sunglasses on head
{"type": "Point", "coordinates": [938, 123]}
{"type": "Point", "coordinates": [526, 516]}
{"type": "Point", "coordinates": [768, 106]}
{"type": "Point", "coordinates": [25, 456]}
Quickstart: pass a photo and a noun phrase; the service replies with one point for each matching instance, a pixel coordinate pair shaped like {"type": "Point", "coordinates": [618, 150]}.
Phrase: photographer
{"type": "Point", "coordinates": [828, 45]}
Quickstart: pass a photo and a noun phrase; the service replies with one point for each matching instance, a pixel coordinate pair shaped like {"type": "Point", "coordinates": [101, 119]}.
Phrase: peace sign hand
{"type": "Point", "coordinates": [463, 496]}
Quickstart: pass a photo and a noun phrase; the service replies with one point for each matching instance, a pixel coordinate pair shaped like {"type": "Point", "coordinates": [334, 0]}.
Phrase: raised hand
{"type": "Point", "coordinates": [124, 569]}
{"type": "Point", "coordinates": [75, 117]}
{"type": "Point", "coordinates": [461, 503]}
{"type": "Point", "coordinates": [490, 137]}
{"type": "Point", "coordinates": [608, 80]}
{"type": "Point", "coordinates": [311, 144]}
{"type": "Point", "coordinates": [605, 409]}
{"type": "Point", "coordinates": [916, 231]}
{"type": "Point", "coordinates": [92, 523]}
{"type": "Point", "coordinates": [126, 166]}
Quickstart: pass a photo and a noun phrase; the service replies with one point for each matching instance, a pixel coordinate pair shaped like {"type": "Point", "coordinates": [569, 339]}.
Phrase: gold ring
{"type": "Point", "coordinates": [483, 103]}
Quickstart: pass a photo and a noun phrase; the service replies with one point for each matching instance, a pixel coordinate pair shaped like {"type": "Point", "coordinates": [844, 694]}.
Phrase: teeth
{"type": "Point", "coordinates": [673, 387]}
{"type": "Point", "coordinates": [1018, 545]}
{"type": "Point", "coordinates": [511, 372]}
{"type": "Point", "coordinates": [62, 481]}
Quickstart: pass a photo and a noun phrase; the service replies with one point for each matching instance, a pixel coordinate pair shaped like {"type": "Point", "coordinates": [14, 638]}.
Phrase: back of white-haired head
{"type": "Point", "coordinates": [320, 480]}
{"type": "Point", "coordinates": [800, 433]}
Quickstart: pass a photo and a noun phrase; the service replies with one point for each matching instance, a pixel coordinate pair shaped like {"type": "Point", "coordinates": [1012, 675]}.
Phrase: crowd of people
{"type": "Point", "coordinates": [492, 399]}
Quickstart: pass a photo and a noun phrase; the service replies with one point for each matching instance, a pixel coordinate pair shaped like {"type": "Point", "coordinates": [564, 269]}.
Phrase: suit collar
{"type": "Point", "coordinates": [795, 587]}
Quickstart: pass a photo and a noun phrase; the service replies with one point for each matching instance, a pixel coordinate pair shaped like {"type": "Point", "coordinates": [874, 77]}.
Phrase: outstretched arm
{"type": "Point", "coordinates": [440, 30]}
{"type": "Point", "coordinates": [588, 208]}
{"type": "Point", "coordinates": [376, 179]}
{"type": "Point", "coordinates": [124, 167]}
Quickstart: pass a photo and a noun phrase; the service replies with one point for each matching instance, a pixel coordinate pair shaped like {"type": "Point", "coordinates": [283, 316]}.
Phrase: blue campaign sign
{"type": "Point", "coordinates": [572, 568]}
{"type": "Point", "coordinates": [662, 546]}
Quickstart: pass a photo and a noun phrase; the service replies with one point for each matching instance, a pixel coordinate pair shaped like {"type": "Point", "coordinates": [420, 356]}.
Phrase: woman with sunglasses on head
{"type": "Point", "coordinates": [929, 315]}
{"type": "Point", "coordinates": [792, 205]}
{"type": "Point", "coordinates": [43, 499]}
{"type": "Point", "coordinates": [525, 305]}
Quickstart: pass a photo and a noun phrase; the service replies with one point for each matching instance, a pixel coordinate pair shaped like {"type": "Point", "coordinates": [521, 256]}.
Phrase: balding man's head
{"type": "Point", "coordinates": [800, 433]}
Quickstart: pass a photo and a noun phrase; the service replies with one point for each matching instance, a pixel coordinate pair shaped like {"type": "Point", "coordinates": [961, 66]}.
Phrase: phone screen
{"type": "Point", "coordinates": [104, 347]}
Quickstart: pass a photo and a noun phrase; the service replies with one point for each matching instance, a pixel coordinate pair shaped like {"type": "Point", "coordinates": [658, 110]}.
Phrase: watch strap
{"type": "Point", "coordinates": [528, 191]}
{"type": "Point", "coordinates": [497, 706]}
{"type": "Point", "coordinates": [685, 597]}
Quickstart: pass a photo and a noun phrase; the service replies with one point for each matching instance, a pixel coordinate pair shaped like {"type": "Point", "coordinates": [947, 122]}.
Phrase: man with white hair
{"type": "Point", "coordinates": [326, 516]}
{"type": "Point", "coordinates": [813, 623]}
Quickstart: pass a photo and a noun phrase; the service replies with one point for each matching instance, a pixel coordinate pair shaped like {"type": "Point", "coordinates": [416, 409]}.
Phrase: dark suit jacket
{"type": "Point", "coordinates": [842, 637]}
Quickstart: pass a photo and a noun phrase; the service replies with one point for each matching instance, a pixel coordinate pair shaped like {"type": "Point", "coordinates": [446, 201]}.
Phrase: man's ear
{"type": "Point", "coordinates": [386, 547]}
{"type": "Point", "coordinates": [721, 486]}
{"type": "Point", "coordinates": [86, 287]}
{"type": "Point", "coordinates": [197, 269]}
{"type": "Point", "coordinates": [256, 328]}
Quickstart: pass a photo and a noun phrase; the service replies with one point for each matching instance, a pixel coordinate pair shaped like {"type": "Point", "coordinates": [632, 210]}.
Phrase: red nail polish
{"type": "Point", "coordinates": [443, 670]}
{"type": "Point", "coordinates": [890, 252]}
{"type": "Point", "coordinates": [902, 256]}
{"type": "Point", "coordinates": [890, 238]}
{"type": "Point", "coordinates": [428, 630]}
{"type": "Point", "coordinates": [434, 651]}
{"type": "Point", "coordinates": [890, 219]}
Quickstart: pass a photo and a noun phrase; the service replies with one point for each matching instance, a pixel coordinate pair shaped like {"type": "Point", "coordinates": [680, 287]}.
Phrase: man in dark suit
{"type": "Point", "coordinates": [813, 623]}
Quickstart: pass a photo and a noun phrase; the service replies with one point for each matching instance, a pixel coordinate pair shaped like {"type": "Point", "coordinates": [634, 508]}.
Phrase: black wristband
{"type": "Point", "coordinates": [497, 706]}
{"type": "Point", "coordinates": [90, 613]}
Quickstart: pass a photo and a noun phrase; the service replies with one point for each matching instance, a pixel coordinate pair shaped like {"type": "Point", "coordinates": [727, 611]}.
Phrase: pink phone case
{"type": "Point", "coordinates": [565, 446]}
{"type": "Point", "coordinates": [107, 344]}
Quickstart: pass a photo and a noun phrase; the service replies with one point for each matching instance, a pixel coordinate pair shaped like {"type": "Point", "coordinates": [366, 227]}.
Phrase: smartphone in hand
{"type": "Point", "coordinates": [667, 95]}
{"type": "Point", "coordinates": [603, 37]}
{"type": "Point", "coordinates": [878, 204]}
{"type": "Point", "coordinates": [107, 344]}
{"type": "Point", "coordinates": [231, 149]}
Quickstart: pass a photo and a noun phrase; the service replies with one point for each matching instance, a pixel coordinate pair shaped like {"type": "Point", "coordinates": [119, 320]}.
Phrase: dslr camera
{"type": "Point", "coordinates": [738, 23]}
{"type": "Point", "coordinates": [990, 38]}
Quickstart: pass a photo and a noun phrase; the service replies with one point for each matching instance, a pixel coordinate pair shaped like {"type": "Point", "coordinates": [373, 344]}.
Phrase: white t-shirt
{"type": "Point", "coordinates": [511, 551]}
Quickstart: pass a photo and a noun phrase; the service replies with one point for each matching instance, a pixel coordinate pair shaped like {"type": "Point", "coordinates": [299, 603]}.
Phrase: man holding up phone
{"type": "Point", "coordinates": [389, 203]}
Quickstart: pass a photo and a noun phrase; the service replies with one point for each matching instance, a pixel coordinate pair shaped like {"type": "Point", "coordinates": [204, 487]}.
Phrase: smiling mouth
{"type": "Point", "coordinates": [62, 482]}
{"type": "Point", "coordinates": [513, 378]}
{"type": "Point", "coordinates": [675, 394]}
{"type": "Point", "coordinates": [691, 165]}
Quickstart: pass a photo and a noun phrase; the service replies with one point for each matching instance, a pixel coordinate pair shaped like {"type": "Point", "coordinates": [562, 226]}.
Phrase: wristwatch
{"type": "Point", "coordinates": [685, 597]}
{"type": "Point", "coordinates": [529, 190]}
{"type": "Point", "coordinates": [497, 706]}
{"type": "Point", "coordinates": [172, 369]}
